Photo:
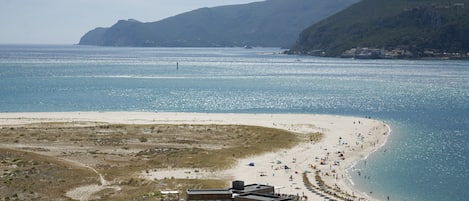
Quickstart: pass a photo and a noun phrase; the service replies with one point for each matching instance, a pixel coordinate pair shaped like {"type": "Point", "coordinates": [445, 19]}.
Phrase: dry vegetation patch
{"type": "Point", "coordinates": [30, 176]}
{"type": "Point", "coordinates": [56, 155]}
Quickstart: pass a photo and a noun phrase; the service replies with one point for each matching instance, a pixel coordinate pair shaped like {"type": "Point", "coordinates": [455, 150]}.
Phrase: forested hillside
{"type": "Point", "coordinates": [271, 23]}
{"type": "Point", "coordinates": [407, 28]}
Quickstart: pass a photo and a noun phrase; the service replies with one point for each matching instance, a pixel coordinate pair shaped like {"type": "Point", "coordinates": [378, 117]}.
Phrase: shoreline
{"type": "Point", "coordinates": [346, 141]}
{"type": "Point", "coordinates": [354, 164]}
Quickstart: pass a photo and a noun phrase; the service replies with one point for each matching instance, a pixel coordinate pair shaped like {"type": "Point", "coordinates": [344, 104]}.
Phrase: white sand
{"type": "Point", "coordinates": [357, 137]}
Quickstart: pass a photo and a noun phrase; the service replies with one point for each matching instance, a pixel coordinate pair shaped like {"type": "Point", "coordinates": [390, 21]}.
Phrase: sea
{"type": "Point", "coordinates": [425, 102]}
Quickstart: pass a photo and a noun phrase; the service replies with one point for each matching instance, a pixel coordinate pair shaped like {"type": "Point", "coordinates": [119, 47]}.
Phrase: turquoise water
{"type": "Point", "coordinates": [425, 102]}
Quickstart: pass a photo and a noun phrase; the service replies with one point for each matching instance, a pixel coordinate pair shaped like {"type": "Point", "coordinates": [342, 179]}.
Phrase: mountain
{"type": "Point", "coordinates": [407, 28]}
{"type": "Point", "coordinates": [271, 23]}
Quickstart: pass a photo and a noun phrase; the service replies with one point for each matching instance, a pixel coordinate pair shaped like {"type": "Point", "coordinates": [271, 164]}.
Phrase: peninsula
{"type": "Point", "coordinates": [132, 155]}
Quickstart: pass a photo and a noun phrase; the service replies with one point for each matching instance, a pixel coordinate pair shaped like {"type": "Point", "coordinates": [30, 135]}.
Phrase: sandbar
{"type": "Point", "coordinates": [345, 141]}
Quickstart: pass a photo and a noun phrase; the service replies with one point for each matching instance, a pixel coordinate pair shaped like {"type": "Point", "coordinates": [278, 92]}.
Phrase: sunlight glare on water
{"type": "Point", "coordinates": [425, 102]}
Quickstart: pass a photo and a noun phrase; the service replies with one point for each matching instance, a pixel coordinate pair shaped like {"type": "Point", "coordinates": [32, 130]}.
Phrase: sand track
{"type": "Point", "coordinates": [87, 192]}
{"type": "Point", "coordinates": [82, 193]}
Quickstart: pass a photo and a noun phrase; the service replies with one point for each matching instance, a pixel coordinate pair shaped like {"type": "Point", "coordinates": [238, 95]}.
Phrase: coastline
{"type": "Point", "coordinates": [346, 141]}
{"type": "Point", "coordinates": [348, 171]}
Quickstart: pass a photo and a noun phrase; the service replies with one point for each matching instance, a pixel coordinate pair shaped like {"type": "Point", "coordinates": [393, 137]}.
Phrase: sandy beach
{"type": "Point", "coordinates": [316, 170]}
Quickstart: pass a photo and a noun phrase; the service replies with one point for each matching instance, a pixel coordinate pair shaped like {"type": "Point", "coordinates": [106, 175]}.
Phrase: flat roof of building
{"type": "Point", "coordinates": [254, 187]}
{"type": "Point", "coordinates": [262, 197]}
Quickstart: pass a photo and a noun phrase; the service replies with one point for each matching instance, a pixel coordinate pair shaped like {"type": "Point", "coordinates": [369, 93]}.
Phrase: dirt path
{"type": "Point", "coordinates": [88, 192]}
{"type": "Point", "coordinates": [82, 193]}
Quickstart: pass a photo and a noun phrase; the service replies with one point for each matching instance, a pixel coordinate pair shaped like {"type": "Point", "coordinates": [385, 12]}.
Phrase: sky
{"type": "Point", "coordinates": [65, 21]}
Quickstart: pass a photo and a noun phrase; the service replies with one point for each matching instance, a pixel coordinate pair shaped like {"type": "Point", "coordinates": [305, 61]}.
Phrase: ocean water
{"type": "Point", "coordinates": [425, 102]}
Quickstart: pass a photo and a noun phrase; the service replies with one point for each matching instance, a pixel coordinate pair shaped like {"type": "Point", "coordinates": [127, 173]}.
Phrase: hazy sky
{"type": "Point", "coordinates": [65, 21]}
